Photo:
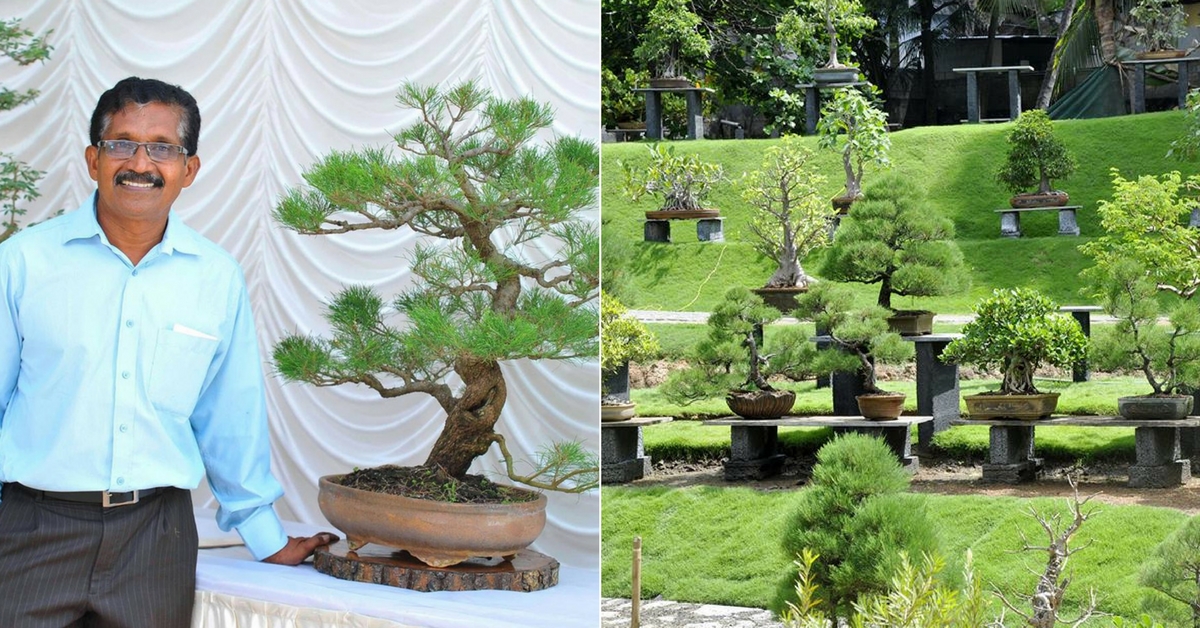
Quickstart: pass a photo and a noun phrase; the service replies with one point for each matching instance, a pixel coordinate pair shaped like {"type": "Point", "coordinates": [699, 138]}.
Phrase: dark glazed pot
{"type": "Point", "coordinates": [1164, 408]}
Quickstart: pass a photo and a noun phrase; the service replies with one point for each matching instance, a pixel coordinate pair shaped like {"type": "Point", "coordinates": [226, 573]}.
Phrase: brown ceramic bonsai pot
{"type": "Point", "coordinates": [682, 214]}
{"type": "Point", "coordinates": [881, 407]}
{"type": "Point", "coordinates": [613, 412]}
{"type": "Point", "coordinates": [1160, 54]}
{"type": "Point", "coordinates": [1057, 198]}
{"type": "Point", "coordinates": [911, 322]}
{"type": "Point", "coordinates": [782, 299]}
{"type": "Point", "coordinates": [1024, 407]}
{"type": "Point", "coordinates": [761, 404]}
{"type": "Point", "coordinates": [438, 534]}
{"type": "Point", "coordinates": [1155, 407]}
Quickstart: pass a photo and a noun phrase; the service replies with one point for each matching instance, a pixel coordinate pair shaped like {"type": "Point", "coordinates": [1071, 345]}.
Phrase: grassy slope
{"type": "Point", "coordinates": [696, 546]}
{"type": "Point", "coordinates": [954, 163]}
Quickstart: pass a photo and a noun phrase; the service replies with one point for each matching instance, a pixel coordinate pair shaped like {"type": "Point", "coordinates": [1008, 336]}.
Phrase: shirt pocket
{"type": "Point", "coordinates": [178, 369]}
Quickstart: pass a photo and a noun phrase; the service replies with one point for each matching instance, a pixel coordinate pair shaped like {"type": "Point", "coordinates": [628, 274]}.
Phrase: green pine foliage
{"type": "Point", "coordinates": [892, 239]}
{"type": "Point", "coordinates": [18, 181]}
{"type": "Point", "coordinates": [1174, 568]}
{"type": "Point", "coordinates": [856, 516]}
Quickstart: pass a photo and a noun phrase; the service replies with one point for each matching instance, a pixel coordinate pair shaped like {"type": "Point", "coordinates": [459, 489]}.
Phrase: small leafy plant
{"type": "Point", "coordinates": [670, 42]}
{"type": "Point", "coordinates": [1158, 24]}
{"type": "Point", "coordinates": [852, 124]}
{"type": "Point", "coordinates": [682, 181]}
{"type": "Point", "coordinates": [623, 339]}
{"type": "Point", "coordinates": [846, 16]}
{"type": "Point", "coordinates": [1017, 330]}
{"type": "Point", "coordinates": [1035, 157]}
{"type": "Point", "coordinates": [18, 181]}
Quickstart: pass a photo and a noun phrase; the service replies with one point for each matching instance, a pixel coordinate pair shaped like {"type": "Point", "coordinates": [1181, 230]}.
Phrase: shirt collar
{"type": "Point", "coordinates": [83, 225]}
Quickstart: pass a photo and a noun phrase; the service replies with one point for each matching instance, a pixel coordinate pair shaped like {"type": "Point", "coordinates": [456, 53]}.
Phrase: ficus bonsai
{"type": "Point", "coordinates": [682, 180]}
{"type": "Point", "coordinates": [788, 217]}
{"type": "Point", "coordinates": [851, 124]}
{"type": "Point", "coordinates": [670, 40]}
{"type": "Point", "coordinates": [1017, 330]}
{"type": "Point", "coordinates": [471, 181]}
{"type": "Point", "coordinates": [1035, 156]}
{"type": "Point", "coordinates": [892, 239]}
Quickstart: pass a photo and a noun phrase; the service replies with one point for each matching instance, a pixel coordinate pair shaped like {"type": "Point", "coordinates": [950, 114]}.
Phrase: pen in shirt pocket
{"type": "Point", "coordinates": [188, 331]}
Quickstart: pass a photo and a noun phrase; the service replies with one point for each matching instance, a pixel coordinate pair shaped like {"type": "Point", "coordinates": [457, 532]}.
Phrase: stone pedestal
{"type": "Point", "coordinates": [754, 453]}
{"type": "Point", "coordinates": [1010, 224]}
{"type": "Point", "coordinates": [846, 388]}
{"type": "Point", "coordinates": [710, 230]}
{"type": "Point", "coordinates": [1159, 462]}
{"type": "Point", "coordinates": [937, 386]}
{"type": "Point", "coordinates": [657, 231]}
{"type": "Point", "coordinates": [622, 455]}
{"type": "Point", "coordinates": [1010, 455]}
{"type": "Point", "coordinates": [1066, 222]}
{"type": "Point", "coordinates": [1082, 315]}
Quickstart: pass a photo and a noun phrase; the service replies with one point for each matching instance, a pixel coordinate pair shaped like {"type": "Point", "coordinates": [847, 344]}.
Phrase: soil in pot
{"type": "Point", "coordinates": [1056, 198]}
{"type": "Point", "coordinates": [425, 483]}
{"type": "Point", "coordinates": [882, 406]}
{"type": "Point", "coordinates": [1155, 407]}
{"type": "Point", "coordinates": [761, 404]}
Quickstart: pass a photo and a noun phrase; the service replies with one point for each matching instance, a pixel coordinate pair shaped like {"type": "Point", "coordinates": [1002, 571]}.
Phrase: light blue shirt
{"type": "Point", "coordinates": [116, 377]}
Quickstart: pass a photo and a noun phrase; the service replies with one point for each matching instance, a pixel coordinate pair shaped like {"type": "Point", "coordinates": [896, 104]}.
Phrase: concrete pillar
{"type": "Point", "coordinates": [972, 97]}
{"type": "Point", "coordinates": [654, 128]}
{"type": "Point", "coordinates": [710, 229]}
{"type": "Point", "coordinates": [937, 386]}
{"type": "Point", "coordinates": [657, 231]}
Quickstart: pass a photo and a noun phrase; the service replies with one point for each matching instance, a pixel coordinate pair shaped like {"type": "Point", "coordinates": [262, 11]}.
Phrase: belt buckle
{"type": "Point", "coordinates": [106, 500]}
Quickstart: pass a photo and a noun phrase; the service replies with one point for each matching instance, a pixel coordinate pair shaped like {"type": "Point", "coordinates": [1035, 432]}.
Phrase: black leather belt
{"type": "Point", "coordinates": [106, 499]}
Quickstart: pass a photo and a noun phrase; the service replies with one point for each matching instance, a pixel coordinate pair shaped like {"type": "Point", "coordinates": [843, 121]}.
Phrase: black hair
{"type": "Point", "coordinates": [144, 91]}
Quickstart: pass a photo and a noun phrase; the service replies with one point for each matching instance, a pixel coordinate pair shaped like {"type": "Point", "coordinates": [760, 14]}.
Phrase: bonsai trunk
{"type": "Point", "coordinates": [852, 186]}
{"type": "Point", "coordinates": [1044, 186]}
{"type": "Point", "coordinates": [885, 292]}
{"type": "Point", "coordinates": [789, 274]}
{"type": "Point", "coordinates": [833, 58]}
{"type": "Point", "coordinates": [1018, 378]}
{"type": "Point", "coordinates": [468, 431]}
{"type": "Point", "coordinates": [755, 377]}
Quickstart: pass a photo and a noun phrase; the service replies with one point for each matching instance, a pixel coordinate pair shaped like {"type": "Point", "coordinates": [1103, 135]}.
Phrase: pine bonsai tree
{"type": "Point", "coordinates": [474, 184]}
{"type": "Point", "coordinates": [18, 182]}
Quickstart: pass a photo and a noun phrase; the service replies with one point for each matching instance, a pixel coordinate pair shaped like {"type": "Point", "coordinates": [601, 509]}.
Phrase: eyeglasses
{"type": "Point", "coordinates": [157, 151]}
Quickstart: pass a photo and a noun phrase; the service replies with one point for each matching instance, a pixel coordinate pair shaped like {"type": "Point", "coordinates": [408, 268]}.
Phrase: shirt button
{"type": "Point", "coordinates": [125, 374]}
{"type": "Point", "coordinates": [129, 323]}
{"type": "Point", "coordinates": [135, 272]}
{"type": "Point", "coordinates": [124, 427]}
{"type": "Point", "coordinates": [121, 481]}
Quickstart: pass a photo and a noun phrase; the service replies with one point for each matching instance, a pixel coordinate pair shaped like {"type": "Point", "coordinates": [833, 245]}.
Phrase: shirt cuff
{"type": "Point", "coordinates": [263, 533]}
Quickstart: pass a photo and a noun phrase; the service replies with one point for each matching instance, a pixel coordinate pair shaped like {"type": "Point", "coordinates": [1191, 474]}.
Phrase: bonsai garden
{"type": "Point", "coordinates": [880, 375]}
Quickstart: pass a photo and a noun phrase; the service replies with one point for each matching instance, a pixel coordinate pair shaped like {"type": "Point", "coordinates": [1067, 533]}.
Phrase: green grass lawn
{"type": "Point", "coordinates": [721, 546]}
{"type": "Point", "coordinates": [954, 163]}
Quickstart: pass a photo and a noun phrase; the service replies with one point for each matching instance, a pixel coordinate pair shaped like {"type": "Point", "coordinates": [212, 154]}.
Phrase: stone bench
{"type": "Point", "coordinates": [622, 456]}
{"type": "Point", "coordinates": [754, 443]}
{"type": "Point", "coordinates": [1014, 88]}
{"type": "Point", "coordinates": [1159, 461]}
{"type": "Point", "coordinates": [1010, 219]}
{"type": "Point", "coordinates": [709, 228]}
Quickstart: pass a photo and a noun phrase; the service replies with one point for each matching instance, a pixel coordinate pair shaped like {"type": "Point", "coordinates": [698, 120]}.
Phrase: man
{"type": "Point", "coordinates": [128, 369]}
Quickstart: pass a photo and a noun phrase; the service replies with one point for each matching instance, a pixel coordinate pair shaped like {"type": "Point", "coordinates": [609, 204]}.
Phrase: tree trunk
{"type": "Point", "coordinates": [928, 43]}
{"type": "Point", "coordinates": [1064, 23]}
{"type": "Point", "coordinates": [468, 431]}
{"type": "Point", "coordinates": [1106, 15]}
{"type": "Point", "coordinates": [885, 292]}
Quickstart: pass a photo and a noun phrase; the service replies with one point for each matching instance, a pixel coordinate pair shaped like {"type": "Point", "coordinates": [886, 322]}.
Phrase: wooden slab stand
{"type": "Point", "coordinates": [527, 571]}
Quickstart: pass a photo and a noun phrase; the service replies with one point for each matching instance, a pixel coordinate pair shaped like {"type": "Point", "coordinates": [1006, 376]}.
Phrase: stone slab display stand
{"type": "Point", "coordinates": [1010, 219]}
{"type": "Point", "coordinates": [622, 455]}
{"type": "Point", "coordinates": [937, 386]}
{"type": "Point", "coordinates": [527, 571]}
{"type": "Point", "coordinates": [1158, 464]}
{"type": "Point", "coordinates": [754, 443]}
{"type": "Point", "coordinates": [1137, 96]}
{"type": "Point", "coordinates": [695, 115]}
{"type": "Point", "coordinates": [1014, 89]}
{"type": "Point", "coordinates": [1082, 314]}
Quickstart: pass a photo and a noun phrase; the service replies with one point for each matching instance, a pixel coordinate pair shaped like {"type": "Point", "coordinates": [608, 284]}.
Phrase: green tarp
{"type": "Point", "coordinates": [1098, 96]}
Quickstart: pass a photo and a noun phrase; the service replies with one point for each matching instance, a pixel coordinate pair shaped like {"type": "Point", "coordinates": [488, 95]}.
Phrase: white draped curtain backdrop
{"type": "Point", "coordinates": [281, 82]}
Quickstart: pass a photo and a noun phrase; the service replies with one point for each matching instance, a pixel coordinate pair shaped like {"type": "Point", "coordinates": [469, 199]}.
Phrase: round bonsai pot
{"type": "Point", "coordinates": [670, 82]}
{"type": "Point", "coordinates": [1056, 198]}
{"type": "Point", "coordinates": [682, 214]}
{"type": "Point", "coordinates": [761, 404]}
{"type": "Point", "coordinates": [438, 534]}
{"type": "Point", "coordinates": [911, 322]}
{"type": "Point", "coordinates": [1160, 54]}
{"type": "Point", "coordinates": [881, 406]}
{"type": "Point", "coordinates": [613, 412]}
{"type": "Point", "coordinates": [843, 203]}
{"type": "Point", "coordinates": [782, 299]}
{"type": "Point", "coordinates": [843, 74]}
{"type": "Point", "coordinates": [1155, 407]}
{"type": "Point", "coordinates": [1023, 407]}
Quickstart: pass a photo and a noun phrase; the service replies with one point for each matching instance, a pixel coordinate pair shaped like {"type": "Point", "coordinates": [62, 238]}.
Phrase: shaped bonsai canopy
{"type": "Point", "coordinates": [788, 219]}
{"type": "Point", "coordinates": [623, 339]}
{"type": "Point", "coordinates": [852, 124]}
{"type": "Point", "coordinates": [671, 42]}
{"type": "Point", "coordinates": [682, 181]}
{"type": "Point", "coordinates": [1035, 158]}
{"type": "Point", "coordinates": [478, 190]}
{"type": "Point", "coordinates": [1158, 25]}
{"type": "Point", "coordinates": [849, 16]}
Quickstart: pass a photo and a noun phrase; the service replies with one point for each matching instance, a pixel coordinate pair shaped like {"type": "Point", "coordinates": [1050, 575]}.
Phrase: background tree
{"type": "Point", "coordinates": [18, 182]}
{"type": "Point", "coordinates": [473, 183]}
{"type": "Point", "coordinates": [671, 44]}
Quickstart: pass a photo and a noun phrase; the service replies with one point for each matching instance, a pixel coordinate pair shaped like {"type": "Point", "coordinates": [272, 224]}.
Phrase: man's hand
{"type": "Point", "coordinates": [299, 548]}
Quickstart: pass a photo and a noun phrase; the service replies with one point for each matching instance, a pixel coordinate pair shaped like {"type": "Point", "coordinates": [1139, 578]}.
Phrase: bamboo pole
{"type": "Point", "coordinates": [635, 614]}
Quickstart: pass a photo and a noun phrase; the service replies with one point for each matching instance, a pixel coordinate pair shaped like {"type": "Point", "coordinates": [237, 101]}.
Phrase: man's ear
{"type": "Point", "coordinates": [193, 167]}
{"type": "Point", "coordinates": [92, 155]}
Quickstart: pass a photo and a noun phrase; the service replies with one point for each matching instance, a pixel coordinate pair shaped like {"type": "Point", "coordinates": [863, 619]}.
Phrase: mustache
{"type": "Point", "coordinates": [138, 177]}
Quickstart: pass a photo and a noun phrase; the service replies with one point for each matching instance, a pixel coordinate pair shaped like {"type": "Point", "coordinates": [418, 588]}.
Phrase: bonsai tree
{"type": "Point", "coordinates": [846, 16]}
{"type": "Point", "coordinates": [1035, 156]}
{"type": "Point", "coordinates": [852, 124]}
{"type": "Point", "coordinates": [1017, 330]}
{"type": "Point", "coordinates": [1158, 24]}
{"type": "Point", "coordinates": [683, 181]}
{"type": "Point", "coordinates": [670, 41]}
{"type": "Point", "coordinates": [861, 336]}
{"type": "Point", "coordinates": [730, 360]}
{"type": "Point", "coordinates": [623, 339]}
{"type": "Point", "coordinates": [788, 218]}
{"type": "Point", "coordinates": [1174, 567]}
{"type": "Point", "coordinates": [894, 240]}
{"type": "Point", "coordinates": [1186, 147]}
{"type": "Point", "coordinates": [18, 182]}
{"type": "Point", "coordinates": [477, 189]}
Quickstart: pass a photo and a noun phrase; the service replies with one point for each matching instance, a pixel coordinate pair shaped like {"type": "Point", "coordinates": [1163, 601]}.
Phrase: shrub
{"type": "Point", "coordinates": [1174, 568]}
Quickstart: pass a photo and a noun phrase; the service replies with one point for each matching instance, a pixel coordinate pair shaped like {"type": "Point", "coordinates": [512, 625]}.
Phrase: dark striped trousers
{"type": "Point", "coordinates": [67, 564]}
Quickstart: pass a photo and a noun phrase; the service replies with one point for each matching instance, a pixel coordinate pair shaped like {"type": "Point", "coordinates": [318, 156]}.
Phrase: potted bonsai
{"type": "Point", "coordinates": [1157, 27]}
{"type": "Point", "coordinates": [730, 361]}
{"type": "Point", "coordinates": [861, 340]}
{"type": "Point", "coordinates": [892, 239]}
{"type": "Point", "coordinates": [788, 218]}
{"type": "Point", "coordinates": [1035, 158]}
{"type": "Point", "coordinates": [473, 184]}
{"type": "Point", "coordinates": [682, 181]}
{"type": "Point", "coordinates": [848, 16]}
{"type": "Point", "coordinates": [670, 44]}
{"type": "Point", "coordinates": [1167, 355]}
{"type": "Point", "coordinates": [623, 339]}
{"type": "Point", "coordinates": [1016, 330]}
{"type": "Point", "coordinates": [851, 124]}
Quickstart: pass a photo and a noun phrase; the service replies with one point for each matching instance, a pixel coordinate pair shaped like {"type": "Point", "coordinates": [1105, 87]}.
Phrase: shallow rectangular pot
{"type": "Point", "coordinates": [1155, 408]}
{"type": "Point", "coordinates": [1023, 407]}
